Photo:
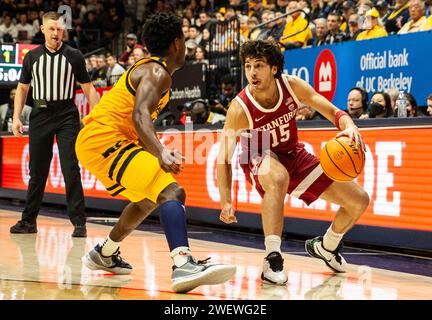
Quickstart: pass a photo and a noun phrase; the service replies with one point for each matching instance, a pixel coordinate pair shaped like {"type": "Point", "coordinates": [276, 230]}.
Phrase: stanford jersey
{"type": "Point", "coordinates": [279, 121]}
{"type": "Point", "coordinates": [275, 129]}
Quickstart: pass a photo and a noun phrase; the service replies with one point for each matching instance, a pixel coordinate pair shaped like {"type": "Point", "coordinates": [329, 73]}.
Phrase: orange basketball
{"type": "Point", "coordinates": [341, 160]}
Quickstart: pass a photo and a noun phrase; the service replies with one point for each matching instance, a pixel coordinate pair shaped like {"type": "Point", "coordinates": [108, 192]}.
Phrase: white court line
{"type": "Point", "coordinates": [91, 219]}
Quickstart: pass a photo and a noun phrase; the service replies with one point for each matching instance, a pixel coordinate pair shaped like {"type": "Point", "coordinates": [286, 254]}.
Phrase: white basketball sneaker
{"type": "Point", "coordinates": [332, 259]}
{"type": "Point", "coordinates": [273, 272]}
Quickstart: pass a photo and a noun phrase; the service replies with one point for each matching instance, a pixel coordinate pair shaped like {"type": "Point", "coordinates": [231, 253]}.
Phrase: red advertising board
{"type": "Point", "coordinates": [397, 175]}
{"type": "Point", "coordinates": [81, 100]}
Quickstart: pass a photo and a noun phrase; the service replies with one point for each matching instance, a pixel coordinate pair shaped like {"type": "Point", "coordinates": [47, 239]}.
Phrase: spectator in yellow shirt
{"type": "Point", "coordinates": [373, 29]}
{"type": "Point", "coordinates": [295, 22]}
{"type": "Point", "coordinates": [427, 25]}
{"type": "Point", "coordinates": [417, 14]}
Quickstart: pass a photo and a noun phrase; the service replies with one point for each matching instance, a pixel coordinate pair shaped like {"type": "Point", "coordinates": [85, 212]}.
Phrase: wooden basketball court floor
{"type": "Point", "coordinates": [48, 266]}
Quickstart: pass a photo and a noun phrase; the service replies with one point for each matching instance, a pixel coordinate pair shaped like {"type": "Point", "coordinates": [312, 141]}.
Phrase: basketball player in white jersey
{"type": "Point", "coordinates": [267, 108]}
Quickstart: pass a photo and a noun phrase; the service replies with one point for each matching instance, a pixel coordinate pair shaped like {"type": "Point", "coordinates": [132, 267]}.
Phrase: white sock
{"type": "Point", "coordinates": [272, 243]}
{"type": "Point", "coordinates": [180, 255]}
{"type": "Point", "coordinates": [109, 247]}
{"type": "Point", "coordinates": [331, 239]}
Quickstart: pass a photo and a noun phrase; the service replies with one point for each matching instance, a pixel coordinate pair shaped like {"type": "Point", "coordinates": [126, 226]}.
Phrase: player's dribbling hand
{"type": "Point", "coordinates": [227, 214]}
{"type": "Point", "coordinates": [17, 128]}
{"type": "Point", "coordinates": [354, 134]}
{"type": "Point", "coordinates": [171, 161]}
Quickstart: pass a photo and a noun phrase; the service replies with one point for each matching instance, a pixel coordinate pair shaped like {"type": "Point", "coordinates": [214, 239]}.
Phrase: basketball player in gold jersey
{"type": "Point", "coordinates": [118, 144]}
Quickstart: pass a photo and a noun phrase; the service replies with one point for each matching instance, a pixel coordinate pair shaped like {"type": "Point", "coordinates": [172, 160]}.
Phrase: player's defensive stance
{"type": "Point", "coordinates": [263, 114]}
{"type": "Point", "coordinates": [118, 144]}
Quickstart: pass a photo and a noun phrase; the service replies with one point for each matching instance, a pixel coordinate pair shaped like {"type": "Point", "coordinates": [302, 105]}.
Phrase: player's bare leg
{"type": "Point", "coordinates": [106, 256]}
{"type": "Point", "coordinates": [353, 201]}
{"type": "Point", "coordinates": [274, 179]}
{"type": "Point", "coordinates": [131, 217]}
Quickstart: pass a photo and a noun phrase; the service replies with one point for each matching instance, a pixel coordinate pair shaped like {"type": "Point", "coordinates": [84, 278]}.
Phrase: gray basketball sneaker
{"type": "Point", "coordinates": [193, 274]}
{"type": "Point", "coordinates": [332, 259]}
{"type": "Point", "coordinates": [94, 260]}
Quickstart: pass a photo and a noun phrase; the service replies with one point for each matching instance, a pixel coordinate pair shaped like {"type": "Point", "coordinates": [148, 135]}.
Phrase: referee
{"type": "Point", "coordinates": [52, 71]}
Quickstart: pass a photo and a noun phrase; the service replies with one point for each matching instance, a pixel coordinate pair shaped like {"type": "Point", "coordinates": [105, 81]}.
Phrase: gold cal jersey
{"type": "Point", "coordinates": [115, 108]}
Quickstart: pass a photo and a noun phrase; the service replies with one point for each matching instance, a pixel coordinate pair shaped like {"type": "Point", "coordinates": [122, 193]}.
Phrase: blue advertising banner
{"type": "Point", "coordinates": [402, 62]}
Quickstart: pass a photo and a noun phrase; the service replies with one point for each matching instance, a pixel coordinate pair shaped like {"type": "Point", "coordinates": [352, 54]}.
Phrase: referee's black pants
{"type": "Point", "coordinates": [60, 120]}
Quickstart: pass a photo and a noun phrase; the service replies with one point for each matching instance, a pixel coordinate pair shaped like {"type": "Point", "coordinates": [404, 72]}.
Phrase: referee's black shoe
{"type": "Point", "coordinates": [80, 231]}
{"type": "Point", "coordinates": [24, 227]}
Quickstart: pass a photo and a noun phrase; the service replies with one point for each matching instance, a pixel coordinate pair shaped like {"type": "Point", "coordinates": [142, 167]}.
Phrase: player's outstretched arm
{"type": "Point", "coordinates": [151, 82]}
{"type": "Point", "coordinates": [235, 121]}
{"type": "Point", "coordinates": [307, 95]}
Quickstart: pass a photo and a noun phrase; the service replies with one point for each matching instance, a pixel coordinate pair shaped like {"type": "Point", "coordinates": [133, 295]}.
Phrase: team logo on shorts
{"type": "Point", "coordinates": [325, 74]}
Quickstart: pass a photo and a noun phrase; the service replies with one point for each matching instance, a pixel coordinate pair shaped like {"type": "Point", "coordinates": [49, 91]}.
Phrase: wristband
{"type": "Point", "coordinates": [339, 114]}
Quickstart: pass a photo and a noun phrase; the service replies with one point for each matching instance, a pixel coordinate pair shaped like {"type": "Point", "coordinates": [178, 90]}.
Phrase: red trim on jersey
{"type": "Point", "coordinates": [316, 189]}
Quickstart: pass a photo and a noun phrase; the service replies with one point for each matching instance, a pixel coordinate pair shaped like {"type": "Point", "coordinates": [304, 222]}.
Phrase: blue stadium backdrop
{"type": "Point", "coordinates": [399, 61]}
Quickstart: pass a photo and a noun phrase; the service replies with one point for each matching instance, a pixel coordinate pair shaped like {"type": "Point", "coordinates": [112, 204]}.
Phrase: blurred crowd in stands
{"type": "Point", "coordinates": [94, 22]}
{"type": "Point", "coordinates": [106, 69]}
{"type": "Point", "coordinates": [331, 21]}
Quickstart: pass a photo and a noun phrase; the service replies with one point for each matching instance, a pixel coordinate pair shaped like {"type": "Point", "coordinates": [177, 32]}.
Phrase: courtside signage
{"type": "Point", "coordinates": [397, 176]}
{"type": "Point", "coordinates": [396, 61]}
{"type": "Point", "coordinates": [325, 74]}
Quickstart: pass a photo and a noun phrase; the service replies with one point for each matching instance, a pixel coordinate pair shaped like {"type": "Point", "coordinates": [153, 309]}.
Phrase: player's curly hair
{"type": "Point", "coordinates": [263, 49]}
{"type": "Point", "coordinates": [160, 30]}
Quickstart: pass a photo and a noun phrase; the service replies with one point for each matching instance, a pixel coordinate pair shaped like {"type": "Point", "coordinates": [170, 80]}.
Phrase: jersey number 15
{"type": "Point", "coordinates": [283, 135]}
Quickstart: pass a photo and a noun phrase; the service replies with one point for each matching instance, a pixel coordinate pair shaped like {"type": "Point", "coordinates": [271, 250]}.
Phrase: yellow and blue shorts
{"type": "Point", "coordinates": [120, 164]}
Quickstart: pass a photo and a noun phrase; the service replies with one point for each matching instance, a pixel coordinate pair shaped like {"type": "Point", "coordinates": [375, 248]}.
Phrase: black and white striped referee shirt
{"type": "Point", "coordinates": [53, 75]}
